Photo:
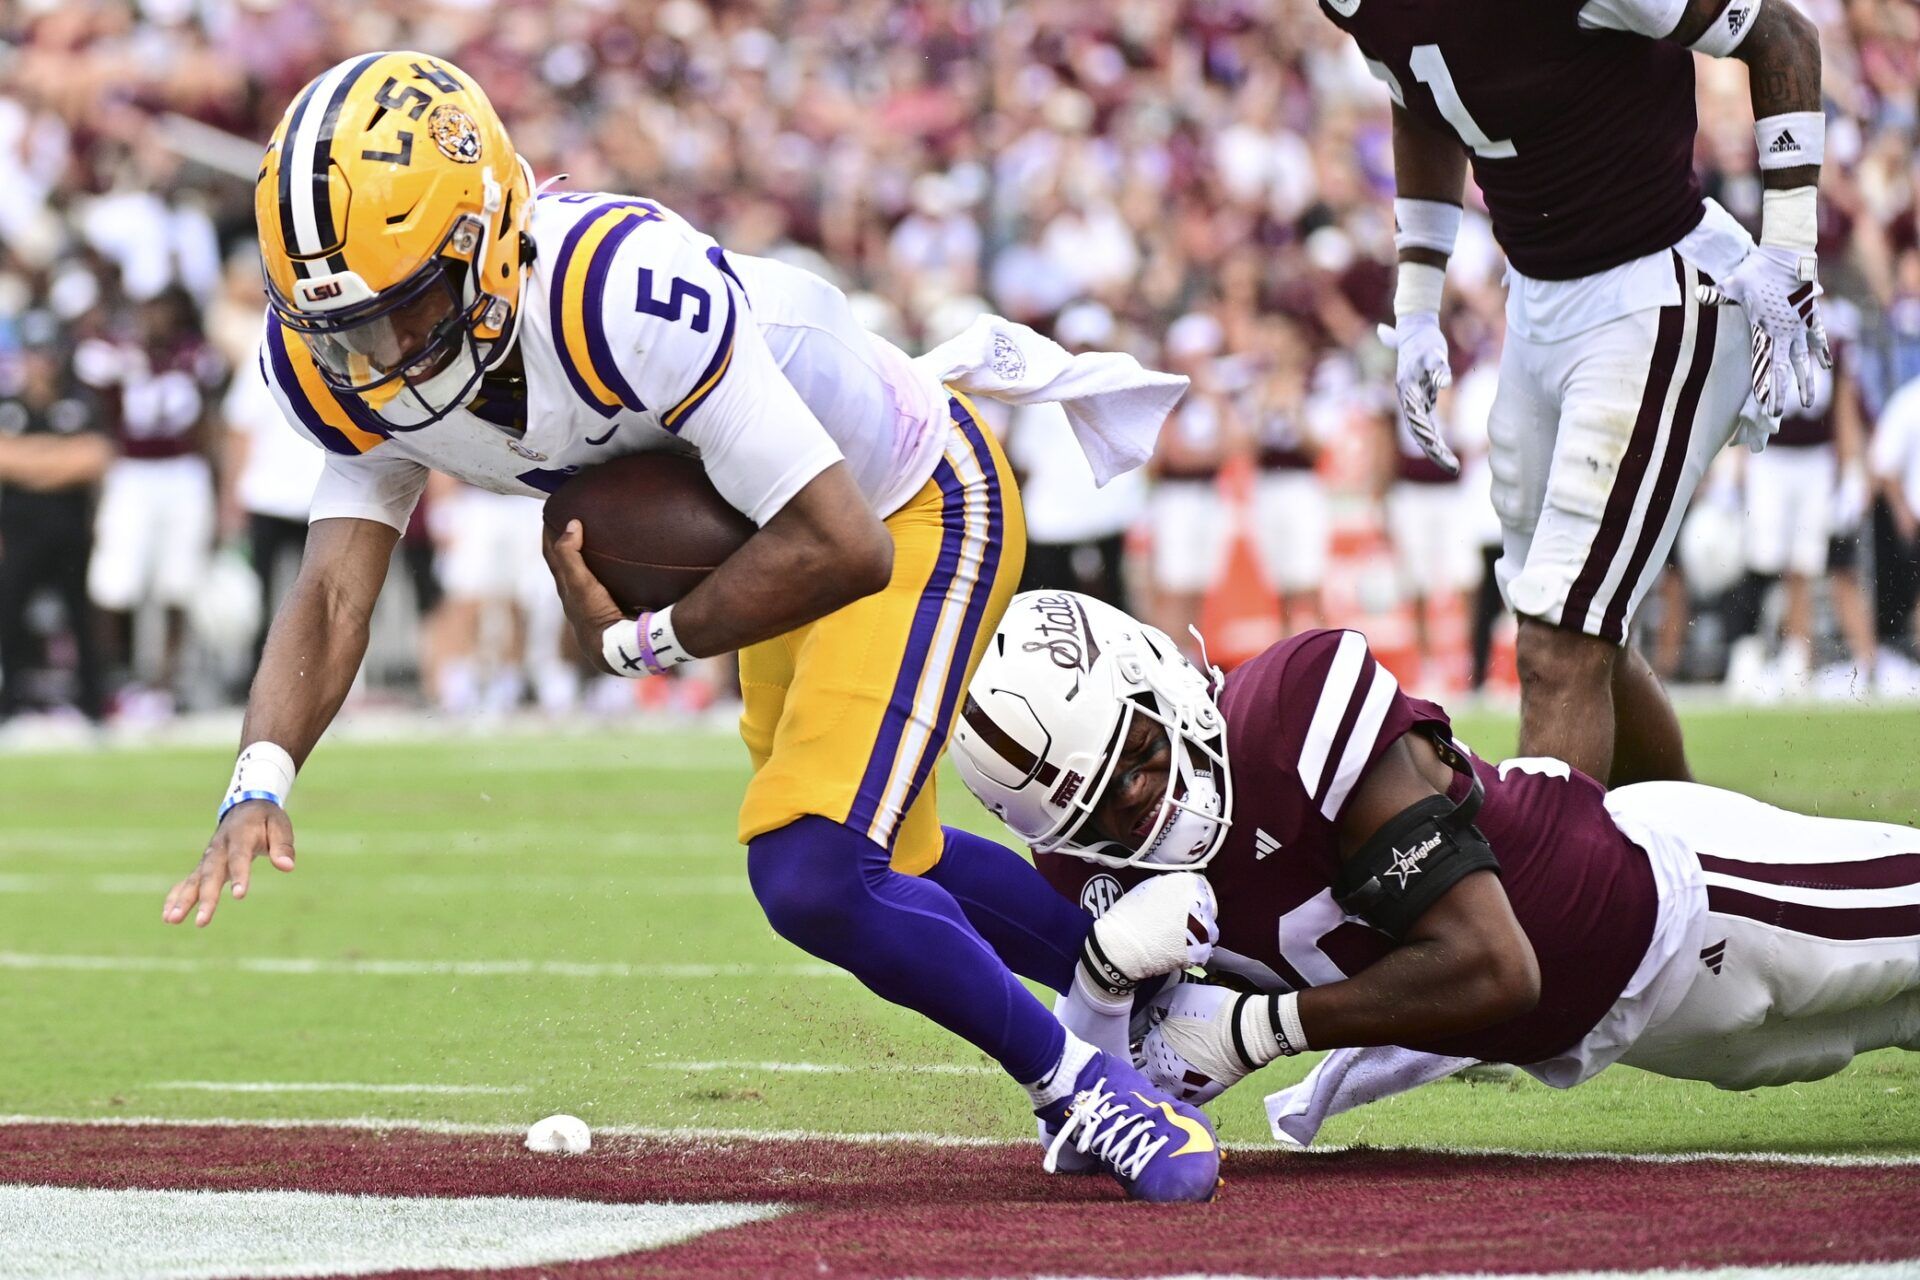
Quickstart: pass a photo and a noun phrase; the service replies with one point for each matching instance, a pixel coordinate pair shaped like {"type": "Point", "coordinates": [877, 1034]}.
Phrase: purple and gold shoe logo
{"type": "Point", "coordinates": [1199, 1141]}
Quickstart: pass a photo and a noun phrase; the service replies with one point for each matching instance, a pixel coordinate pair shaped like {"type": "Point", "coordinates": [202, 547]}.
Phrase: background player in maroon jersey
{"type": "Point", "coordinates": [1379, 885]}
{"type": "Point", "coordinates": [1619, 379]}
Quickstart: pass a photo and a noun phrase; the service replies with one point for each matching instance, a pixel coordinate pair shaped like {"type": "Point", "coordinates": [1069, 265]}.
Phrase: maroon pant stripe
{"type": "Point", "coordinates": [1679, 442]}
{"type": "Point", "coordinates": [1633, 464]}
{"type": "Point", "coordinates": [1895, 871]}
{"type": "Point", "coordinates": [1839, 924]}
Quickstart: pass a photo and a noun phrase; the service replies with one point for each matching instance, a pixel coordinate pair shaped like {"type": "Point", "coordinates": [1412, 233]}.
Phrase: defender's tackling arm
{"type": "Point", "coordinates": [312, 652]}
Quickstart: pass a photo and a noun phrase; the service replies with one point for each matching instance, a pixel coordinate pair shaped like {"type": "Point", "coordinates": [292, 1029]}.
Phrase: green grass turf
{"type": "Point", "coordinates": [618, 849]}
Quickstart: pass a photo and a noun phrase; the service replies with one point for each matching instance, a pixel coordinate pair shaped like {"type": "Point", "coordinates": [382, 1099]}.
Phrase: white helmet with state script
{"type": "Point", "coordinates": [1060, 686]}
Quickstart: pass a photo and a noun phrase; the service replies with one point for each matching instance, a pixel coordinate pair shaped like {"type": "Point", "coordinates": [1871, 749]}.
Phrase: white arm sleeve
{"type": "Point", "coordinates": [379, 486]}
{"type": "Point", "coordinates": [1652, 18]}
{"type": "Point", "coordinates": [758, 440]}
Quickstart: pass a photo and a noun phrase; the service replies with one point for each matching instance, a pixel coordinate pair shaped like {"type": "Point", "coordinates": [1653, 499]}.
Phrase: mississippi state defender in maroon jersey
{"type": "Point", "coordinates": [1621, 377]}
{"type": "Point", "coordinates": [1378, 885]}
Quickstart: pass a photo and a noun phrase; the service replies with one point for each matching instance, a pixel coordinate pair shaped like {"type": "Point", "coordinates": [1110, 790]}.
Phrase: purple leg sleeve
{"type": "Point", "coordinates": [829, 891]}
{"type": "Point", "coordinates": [1035, 928]}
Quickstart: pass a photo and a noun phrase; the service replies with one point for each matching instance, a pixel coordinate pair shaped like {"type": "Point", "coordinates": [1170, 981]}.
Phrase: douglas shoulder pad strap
{"type": "Point", "coordinates": [1412, 861]}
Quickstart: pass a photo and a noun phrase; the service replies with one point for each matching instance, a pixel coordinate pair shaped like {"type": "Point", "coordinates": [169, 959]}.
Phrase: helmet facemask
{"type": "Point", "coordinates": [1190, 822]}
{"type": "Point", "coordinates": [412, 352]}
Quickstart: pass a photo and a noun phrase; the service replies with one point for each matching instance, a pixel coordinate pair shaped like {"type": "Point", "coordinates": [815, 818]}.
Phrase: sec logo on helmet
{"type": "Point", "coordinates": [1098, 894]}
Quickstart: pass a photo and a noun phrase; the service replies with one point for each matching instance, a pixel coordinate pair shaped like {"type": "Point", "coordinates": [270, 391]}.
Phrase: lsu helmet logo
{"type": "Point", "coordinates": [455, 133]}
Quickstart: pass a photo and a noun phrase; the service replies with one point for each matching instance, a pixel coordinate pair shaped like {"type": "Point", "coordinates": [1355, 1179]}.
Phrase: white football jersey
{"type": "Point", "coordinates": [636, 332]}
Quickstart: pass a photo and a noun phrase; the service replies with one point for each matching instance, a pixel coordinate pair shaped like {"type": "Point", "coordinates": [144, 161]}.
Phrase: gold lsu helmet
{"type": "Point", "coordinates": [392, 210]}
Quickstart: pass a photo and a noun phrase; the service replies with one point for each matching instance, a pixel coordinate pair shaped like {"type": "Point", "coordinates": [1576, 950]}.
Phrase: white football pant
{"type": "Point", "coordinates": [1597, 444]}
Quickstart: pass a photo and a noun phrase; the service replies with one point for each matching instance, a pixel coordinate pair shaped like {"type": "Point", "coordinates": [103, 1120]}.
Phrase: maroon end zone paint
{"type": "Point", "coordinates": [883, 1211]}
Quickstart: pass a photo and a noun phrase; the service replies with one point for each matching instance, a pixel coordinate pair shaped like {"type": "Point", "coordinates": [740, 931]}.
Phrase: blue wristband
{"type": "Point", "coordinates": [245, 796]}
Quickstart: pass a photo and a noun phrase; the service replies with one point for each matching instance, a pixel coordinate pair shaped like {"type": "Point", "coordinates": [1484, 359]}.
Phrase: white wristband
{"type": "Point", "coordinates": [1418, 287]}
{"type": "Point", "coordinates": [1426, 224]}
{"type": "Point", "coordinates": [1791, 219]}
{"type": "Point", "coordinates": [264, 771]}
{"type": "Point", "coordinates": [643, 646]}
{"type": "Point", "coordinates": [1288, 1013]}
{"type": "Point", "coordinates": [1726, 32]}
{"type": "Point", "coordinates": [1791, 139]}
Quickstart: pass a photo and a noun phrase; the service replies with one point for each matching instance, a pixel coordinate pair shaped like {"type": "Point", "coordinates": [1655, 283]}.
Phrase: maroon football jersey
{"type": "Point", "coordinates": [1804, 428]}
{"type": "Point", "coordinates": [1306, 720]}
{"type": "Point", "coordinates": [163, 397]}
{"type": "Point", "coordinates": [1581, 140]}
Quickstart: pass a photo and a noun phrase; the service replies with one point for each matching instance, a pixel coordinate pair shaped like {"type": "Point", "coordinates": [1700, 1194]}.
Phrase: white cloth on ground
{"type": "Point", "coordinates": [1114, 404]}
{"type": "Point", "coordinates": [1349, 1078]}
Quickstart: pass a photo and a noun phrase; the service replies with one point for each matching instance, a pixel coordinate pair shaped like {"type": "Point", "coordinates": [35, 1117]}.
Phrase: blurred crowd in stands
{"type": "Point", "coordinates": [1205, 183]}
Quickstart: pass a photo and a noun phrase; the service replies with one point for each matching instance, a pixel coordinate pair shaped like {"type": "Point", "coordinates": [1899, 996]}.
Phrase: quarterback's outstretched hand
{"type": "Point", "coordinates": [1777, 289]}
{"type": "Point", "coordinates": [1422, 372]}
{"type": "Point", "coordinates": [247, 831]}
{"type": "Point", "coordinates": [1182, 1053]}
{"type": "Point", "coordinates": [590, 609]}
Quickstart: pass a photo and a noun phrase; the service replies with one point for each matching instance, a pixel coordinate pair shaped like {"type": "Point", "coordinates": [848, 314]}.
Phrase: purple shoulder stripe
{"type": "Point", "coordinates": [289, 382]}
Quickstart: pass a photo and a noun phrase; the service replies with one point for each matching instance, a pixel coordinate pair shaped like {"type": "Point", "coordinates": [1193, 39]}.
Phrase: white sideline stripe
{"type": "Point", "coordinates": [652, 1133]}
{"type": "Point", "coordinates": [668, 886]}
{"type": "Point", "coordinates": [386, 1124]}
{"type": "Point", "coordinates": [80, 1233]}
{"type": "Point", "coordinates": [829, 1068]}
{"type": "Point", "coordinates": [1786, 1271]}
{"type": "Point", "coordinates": [322, 1086]}
{"type": "Point", "coordinates": [409, 968]}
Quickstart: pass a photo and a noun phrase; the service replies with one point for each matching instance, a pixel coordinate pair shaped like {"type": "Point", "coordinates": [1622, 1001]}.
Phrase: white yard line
{"type": "Point", "coordinates": [281, 965]}
{"type": "Point", "coordinates": [323, 1086]}
{"type": "Point", "coordinates": [828, 1068]}
{"type": "Point", "coordinates": [699, 1134]}
{"type": "Point", "coordinates": [636, 887]}
{"type": "Point", "coordinates": [71, 1233]}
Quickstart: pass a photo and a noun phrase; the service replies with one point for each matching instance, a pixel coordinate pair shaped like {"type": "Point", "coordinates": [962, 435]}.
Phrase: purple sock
{"type": "Point", "coordinates": [1036, 929]}
{"type": "Point", "coordinates": [828, 890]}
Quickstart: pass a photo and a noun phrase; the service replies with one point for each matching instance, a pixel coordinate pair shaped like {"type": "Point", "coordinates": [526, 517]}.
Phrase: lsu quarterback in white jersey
{"type": "Point", "coordinates": [429, 310]}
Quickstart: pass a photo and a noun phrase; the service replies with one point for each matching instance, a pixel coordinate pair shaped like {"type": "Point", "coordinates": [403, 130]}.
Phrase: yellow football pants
{"type": "Point", "coordinates": [846, 717]}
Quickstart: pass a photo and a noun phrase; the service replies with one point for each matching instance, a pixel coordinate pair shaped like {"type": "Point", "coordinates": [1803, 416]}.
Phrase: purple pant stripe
{"type": "Point", "coordinates": [982, 591]}
{"type": "Point", "coordinates": [1895, 871]}
{"type": "Point", "coordinates": [1838, 924]}
{"type": "Point", "coordinates": [1633, 465]}
{"type": "Point", "coordinates": [913, 661]}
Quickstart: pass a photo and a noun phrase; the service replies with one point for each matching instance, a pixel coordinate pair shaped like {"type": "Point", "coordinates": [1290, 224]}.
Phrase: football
{"type": "Point", "coordinates": [655, 526]}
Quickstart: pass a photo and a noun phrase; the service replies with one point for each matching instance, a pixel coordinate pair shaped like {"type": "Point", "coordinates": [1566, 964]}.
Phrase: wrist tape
{"type": "Point", "coordinates": [1100, 971]}
{"type": "Point", "coordinates": [1426, 224]}
{"type": "Point", "coordinates": [1417, 287]}
{"type": "Point", "coordinates": [264, 771]}
{"type": "Point", "coordinates": [1791, 139]}
{"type": "Point", "coordinates": [1790, 219]}
{"type": "Point", "coordinates": [644, 646]}
{"type": "Point", "coordinates": [1266, 1027]}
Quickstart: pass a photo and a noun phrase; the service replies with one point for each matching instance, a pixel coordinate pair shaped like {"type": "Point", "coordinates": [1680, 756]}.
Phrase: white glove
{"type": "Point", "coordinates": [1189, 1050]}
{"type": "Point", "coordinates": [1755, 427]}
{"type": "Point", "coordinates": [1422, 371]}
{"type": "Point", "coordinates": [1165, 924]}
{"type": "Point", "coordinates": [1776, 287]}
